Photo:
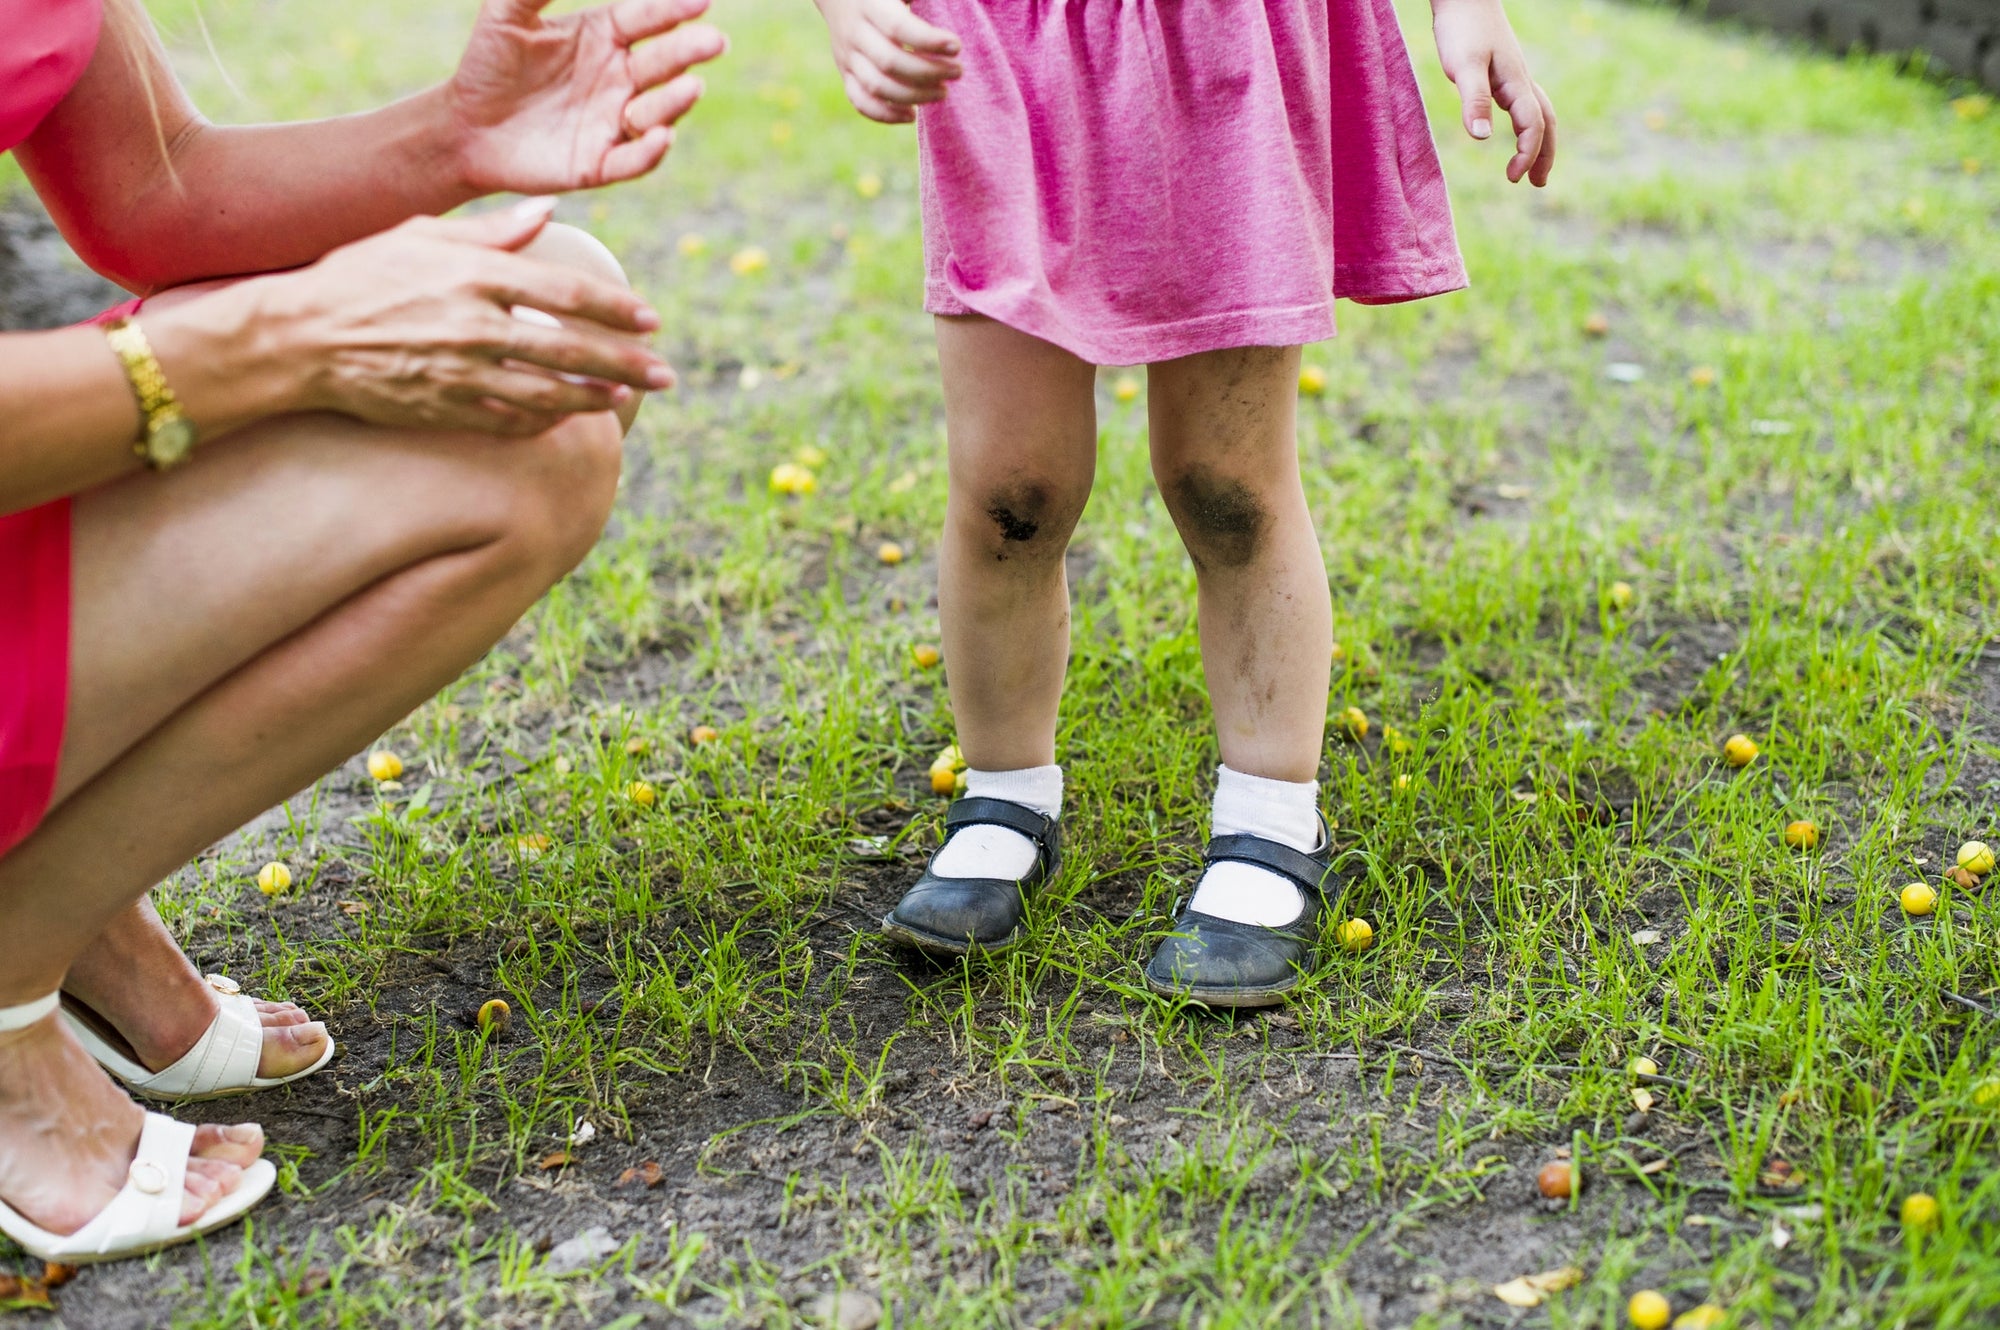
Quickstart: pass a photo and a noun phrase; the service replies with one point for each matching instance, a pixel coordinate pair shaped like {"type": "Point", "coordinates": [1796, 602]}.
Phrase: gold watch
{"type": "Point", "coordinates": [166, 435]}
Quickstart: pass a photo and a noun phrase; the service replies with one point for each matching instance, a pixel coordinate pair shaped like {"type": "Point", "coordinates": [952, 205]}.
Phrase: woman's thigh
{"type": "Point", "coordinates": [180, 579]}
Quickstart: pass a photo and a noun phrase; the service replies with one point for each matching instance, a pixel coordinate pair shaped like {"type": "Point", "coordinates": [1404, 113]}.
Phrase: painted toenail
{"type": "Point", "coordinates": [148, 1177]}
{"type": "Point", "coordinates": [223, 984]}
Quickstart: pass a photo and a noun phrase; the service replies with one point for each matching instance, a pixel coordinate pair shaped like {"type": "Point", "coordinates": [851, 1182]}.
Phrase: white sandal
{"type": "Point", "coordinates": [144, 1217]}
{"type": "Point", "coordinates": [222, 1063]}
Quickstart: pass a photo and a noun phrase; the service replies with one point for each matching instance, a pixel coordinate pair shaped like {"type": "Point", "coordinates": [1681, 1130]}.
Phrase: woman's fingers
{"type": "Point", "coordinates": [576, 351]}
{"type": "Point", "coordinates": [663, 105]}
{"type": "Point", "coordinates": [671, 56]}
{"type": "Point", "coordinates": [545, 394]}
{"type": "Point", "coordinates": [635, 157]}
{"type": "Point", "coordinates": [636, 20]}
{"type": "Point", "coordinates": [509, 280]}
{"type": "Point", "coordinates": [894, 19]}
{"type": "Point", "coordinates": [905, 67]}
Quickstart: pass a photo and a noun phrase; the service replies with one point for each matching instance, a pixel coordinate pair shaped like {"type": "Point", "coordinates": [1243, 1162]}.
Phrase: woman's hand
{"type": "Point", "coordinates": [414, 327]}
{"type": "Point", "coordinates": [890, 61]}
{"type": "Point", "coordinates": [1480, 54]}
{"type": "Point", "coordinates": [541, 106]}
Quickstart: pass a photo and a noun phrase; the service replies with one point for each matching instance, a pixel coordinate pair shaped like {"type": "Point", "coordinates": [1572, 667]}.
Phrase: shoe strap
{"type": "Point", "coordinates": [1307, 871]}
{"type": "Point", "coordinates": [148, 1208]}
{"type": "Point", "coordinates": [21, 1017]}
{"type": "Point", "coordinates": [973, 812]}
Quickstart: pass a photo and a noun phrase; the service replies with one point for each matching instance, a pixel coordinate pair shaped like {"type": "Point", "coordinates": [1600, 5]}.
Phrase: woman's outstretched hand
{"type": "Point", "coordinates": [1481, 55]}
{"type": "Point", "coordinates": [414, 327]}
{"type": "Point", "coordinates": [545, 105]}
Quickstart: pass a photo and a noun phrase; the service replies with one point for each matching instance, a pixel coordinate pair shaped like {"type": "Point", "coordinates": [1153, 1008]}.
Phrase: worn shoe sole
{"type": "Point", "coordinates": [933, 945]}
{"type": "Point", "coordinates": [1268, 996]}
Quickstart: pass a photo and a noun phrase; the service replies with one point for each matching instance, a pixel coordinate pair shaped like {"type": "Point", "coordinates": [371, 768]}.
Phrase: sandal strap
{"type": "Point", "coordinates": [224, 1058]}
{"type": "Point", "coordinates": [972, 812]}
{"type": "Point", "coordinates": [148, 1208]}
{"type": "Point", "coordinates": [21, 1017]}
{"type": "Point", "coordinates": [1307, 871]}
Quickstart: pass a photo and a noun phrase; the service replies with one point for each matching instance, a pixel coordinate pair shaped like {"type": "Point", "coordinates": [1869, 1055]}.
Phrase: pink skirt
{"type": "Point", "coordinates": [1136, 180]}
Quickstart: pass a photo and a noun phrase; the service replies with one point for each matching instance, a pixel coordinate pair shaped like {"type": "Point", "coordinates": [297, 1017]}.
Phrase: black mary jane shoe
{"type": "Point", "coordinates": [956, 916]}
{"type": "Point", "coordinates": [1222, 963]}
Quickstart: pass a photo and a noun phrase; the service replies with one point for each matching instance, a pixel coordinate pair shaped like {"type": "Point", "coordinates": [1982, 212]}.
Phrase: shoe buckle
{"type": "Point", "coordinates": [147, 1177]}
{"type": "Point", "coordinates": [224, 985]}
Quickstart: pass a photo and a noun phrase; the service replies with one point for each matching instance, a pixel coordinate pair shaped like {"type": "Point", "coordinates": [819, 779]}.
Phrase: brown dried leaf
{"type": "Point", "coordinates": [18, 1294]}
{"type": "Point", "coordinates": [55, 1274]}
{"type": "Point", "coordinates": [1555, 1281]}
{"type": "Point", "coordinates": [555, 1159]}
{"type": "Point", "coordinates": [1642, 1099]}
{"type": "Point", "coordinates": [650, 1173]}
{"type": "Point", "coordinates": [354, 907]}
{"type": "Point", "coordinates": [1657, 1166]}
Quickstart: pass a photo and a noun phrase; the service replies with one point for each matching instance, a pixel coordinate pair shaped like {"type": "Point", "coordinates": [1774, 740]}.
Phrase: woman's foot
{"type": "Point", "coordinates": [68, 1135]}
{"type": "Point", "coordinates": [137, 979]}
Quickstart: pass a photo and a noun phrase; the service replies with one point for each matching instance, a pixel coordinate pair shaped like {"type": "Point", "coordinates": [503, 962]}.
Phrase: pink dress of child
{"type": "Point", "coordinates": [44, 46]}
{"type": "Point", "coordinates": [1136, 180]}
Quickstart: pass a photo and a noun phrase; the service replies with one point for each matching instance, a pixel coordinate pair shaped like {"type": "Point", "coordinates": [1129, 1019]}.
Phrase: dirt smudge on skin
{"type": "Point", "coordinates": [1220, 517]}
{"type": "Point", "coordinates": [1012, 528]}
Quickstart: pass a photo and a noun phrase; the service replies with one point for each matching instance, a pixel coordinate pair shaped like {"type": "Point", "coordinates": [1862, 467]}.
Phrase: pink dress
{"type": "Point", "coordinates": [44, 46]}
{"type": "Point", "coordinates": [1136, 180]}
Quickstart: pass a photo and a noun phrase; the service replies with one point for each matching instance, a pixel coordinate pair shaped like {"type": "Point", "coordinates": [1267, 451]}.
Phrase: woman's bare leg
{"type": "Point", "coordinates": [1023, 427]}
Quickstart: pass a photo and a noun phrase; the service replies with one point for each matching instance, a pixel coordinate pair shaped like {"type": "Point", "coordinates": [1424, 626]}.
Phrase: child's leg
{"type": "Point", "coordinates": [1022, 421]}
{"type": "Point", "coordinates": [1225, 453]}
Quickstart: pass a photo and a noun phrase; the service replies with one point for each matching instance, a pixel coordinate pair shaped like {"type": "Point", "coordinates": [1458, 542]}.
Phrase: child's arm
{"type": "Point", "coordinates": [890, 60]}
{"type": "Point", "coordinates": [1477, 47]}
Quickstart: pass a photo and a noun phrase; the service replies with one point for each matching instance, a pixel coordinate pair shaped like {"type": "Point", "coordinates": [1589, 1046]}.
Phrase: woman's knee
{"type": "Point", "coordinates": [562, 495]}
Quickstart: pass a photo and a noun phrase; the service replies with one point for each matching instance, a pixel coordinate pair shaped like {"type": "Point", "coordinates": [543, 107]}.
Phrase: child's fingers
{"type": "Point", "coordinates": [1475, 96]}
{"type": "Point", "coordinates": [902, 27]}
{"type": "Point", "coordinates": [1538, 174]}
{"type": "Point", "coordinates": [872, 106]}
{"type": "Point", "coordinates": [917, 71]}
{"type": "Point", "coordinates": [886, 87]}
{"type": "Point", "coordinates": [1517, 97]}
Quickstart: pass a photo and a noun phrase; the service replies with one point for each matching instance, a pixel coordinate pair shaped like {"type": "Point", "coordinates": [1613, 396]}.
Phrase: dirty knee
{"type": "Point", "coordinates": [1223, 520]}
{"type": "Point", "coordinates": [1025, 520]}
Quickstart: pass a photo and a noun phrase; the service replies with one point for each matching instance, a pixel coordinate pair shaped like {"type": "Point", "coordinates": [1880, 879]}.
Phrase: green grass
{"type": "Point", "coordinates": [1811, 540]}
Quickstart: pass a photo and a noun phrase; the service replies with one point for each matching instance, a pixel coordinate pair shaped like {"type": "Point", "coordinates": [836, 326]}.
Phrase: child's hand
{"type": "Point", "coordinates": [890, 60]}
{"type": "Point", "coordinates": [1476, 45]}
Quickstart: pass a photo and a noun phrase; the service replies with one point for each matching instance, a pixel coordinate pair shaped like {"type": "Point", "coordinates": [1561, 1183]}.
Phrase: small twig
{"type": "Point", "coordinates": [1970, 1005]}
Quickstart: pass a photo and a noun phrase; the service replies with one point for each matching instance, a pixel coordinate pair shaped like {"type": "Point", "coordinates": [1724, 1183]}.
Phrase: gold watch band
{"type": "Point", "coordinates": [166, 435]}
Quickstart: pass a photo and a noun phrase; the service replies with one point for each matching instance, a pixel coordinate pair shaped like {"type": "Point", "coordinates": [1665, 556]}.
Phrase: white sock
{"type": "Point", "coordinates": [1280, 810]}
{"type": "Point", "coordinates": [988, 851]}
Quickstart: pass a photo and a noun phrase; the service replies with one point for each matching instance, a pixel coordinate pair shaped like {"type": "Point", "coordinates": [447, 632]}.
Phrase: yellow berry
{"type": "Point", "coordinates": [1976, 857]}
{"type": "Point", "coordinates": [1125, 388]}
{"type": "Point", "coordinates": [1620, 595]}
{"type": "Point", "coordinates": [791, 478]}
{"type": "Point", "coordinates": [1648, 1310]}
{"type": "Point", "coordinates": [1986, 1094]}
{"type": "Point", "coordinates": [1645, 1066]}
{"type": "Point", "coordinates": [1740, 750]}
{"type": "Point", "coordinates": [926, 655]}
{"type": "Point", "coordinates": [274, 879]}
{"type": "Point", "coordinates": [1702, 376]}
{"type": "Point", "coordinates": [1920, 1212]}
{"type": "Point", "coordinates": [1704, 1317]}
{"type": "Point", "coordinates": [702, 734]}
{"type": "Point", "coordinates": [1596, 325]}
{"type": "Point", "coordinates": [889, 552]}
{"type": "Point", "coordinates": [693, 243]}
{"type": "Point", "coordinates": [494, 1014]}
{"type": "Point", "coordinates": [1353, 722]}
{"type": "Point", "coordinates": [868, 185]}
{"type": "Point", "coordinates": [749, 260]}
{"type": "Point", "coordinates": [533, 845]}
{"type": "Point", "coordinates": [809, 455]}
{"type": "Point", "coordinates": [1918, 899]}
{"type": "Point", "coordinates": [1394, 742]}
{"type": "Point", "coordinates": [949, 757]}
{"type": "Point", "coordinates": [1312, 380]}
{"type": "Point", "coordinates": [943, 780]}
{"type": "Point", "coordinates": [642, 793]}
{"type": "Point", "coordinates": [384, 765]}
{"type": "Point", "coordinates": [1802, 835]}
{"type": "Point", "coordinates": [638, 747]}
{"type": "Point", "coordinates": [1403, 781]}
{"type": "Point", "coordinates": [1356, 935]}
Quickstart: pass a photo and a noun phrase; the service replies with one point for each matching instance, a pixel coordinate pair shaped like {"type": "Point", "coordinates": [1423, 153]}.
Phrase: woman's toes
{"type": "Point", "coordinates": [289, 1049]}
{"type": "Point", "coordinates": [199, 1191]}
{"type": "Point", "coordinates": [238, 1146]}
{"type": "Point", "coordinates": [280, 1013]}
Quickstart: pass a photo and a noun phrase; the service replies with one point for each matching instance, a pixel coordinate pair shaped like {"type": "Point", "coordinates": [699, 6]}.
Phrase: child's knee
{"type": "Point", "coordinates": [1224, 519]}
{"type": "Point", "coordinates": [1028, 518]}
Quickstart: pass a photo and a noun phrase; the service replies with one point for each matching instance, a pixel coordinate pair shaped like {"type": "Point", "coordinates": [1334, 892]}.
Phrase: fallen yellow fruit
{"type": "Point", "coordinates": [1353, 722]}
{"type": "Point", "coordinates": [1986, 1094]}
{"type": "Point", "coordinates": [809, 455]}
{"type": "Point", "coordinates": [702, 734]}
{"type": "Point", "coordinates": [868, 185]}
{"type": "Point", "coordinates": [638, 747]}
{"type": "Point", "coordinates": [1702, 376]}
{"type": "Point", "coordinates": [1356, 935]}
{"type": "Point", "coordinates": [1125, 388]}
{"type": "Point", "coordinates": [791, 478]}
{"type": "Point", "coordinates": [693, 243]}
{"type": "Point", "coordinates": [1312, 380]}
{"type": "Point", "coordinates": [1620, 595]}
{"type": "Point", "coordinates": [1740, 750]}
{"type": "Point", "coordinates": [1920, 1212]}
{"type": "Point", "coordinates": [925, 655]}
{"type": "Point", "coordinates": [1645, 1066]}
{"type": "Point", "coordinates": [1649, 1310]}
{"type": "Point", "coordinates": [1976, 857]}
{"type": "Point", "coordinates": [1596, 325]}
{"type": "Point", "coordinates": [943, 780]}
{"type": "Point", "coordinates": [642, 793]}
{"type": "Point", "coordinates": [889, 552]}
{"type": "Point", "coordinates": [949, 757]}
{"type": "Point", "coordinates": [1802, 835]}
{"type": "Point", "coordinates": [1918, 899]}
{"type": "Point", "coordinates": [274, 879]}
{"type": "Point", "coordinates": [494, 1015]}
{"type": "Point", "coordinates": [750, 260]}
{"type": "Point", "coordinates": [1403, 781]}
{"type": "Point", "coordinates": [1394, 743]}
{"type": "Point", "coordinates": [1705, 1317]}
{"type": "Point", "coordinates": [533, 845]}
{"type": "Point", "coordinates": [384, 765]}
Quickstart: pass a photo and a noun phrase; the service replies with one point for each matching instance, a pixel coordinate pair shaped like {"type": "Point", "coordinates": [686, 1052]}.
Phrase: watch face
{"type": "Point", "coordinates": [171, 442]}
